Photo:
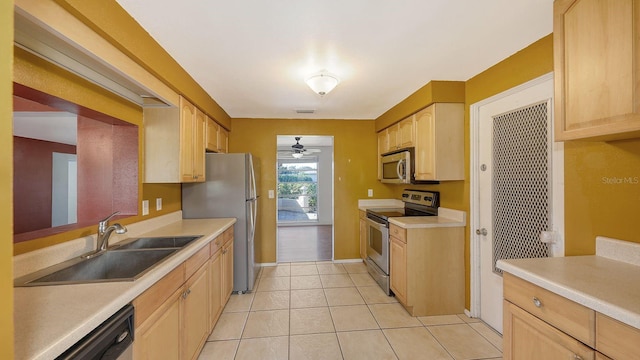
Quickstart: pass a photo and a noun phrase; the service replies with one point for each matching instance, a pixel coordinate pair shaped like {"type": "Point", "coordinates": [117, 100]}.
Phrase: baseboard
{"type": "Point", "coordinates": [266, 264]}
{"type": "Point", "coordinates": [347, 261]}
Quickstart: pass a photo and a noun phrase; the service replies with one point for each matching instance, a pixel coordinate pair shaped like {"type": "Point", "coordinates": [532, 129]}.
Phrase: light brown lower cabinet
{"type": "Point", "coordinates": [427, 269]}
{"type": "Point", "coordinates": [539, 324]}
{"type": "Point", "coordinates": [399, 269]}
{"type": "Point", "coordinates": [195, 312]}
{"type": "Point", "coordinates": [159, 336]}
{"type": "Point", "coordinates": [177, 329]}
{"type": "Point", "coordinates": [227, 271]}
{"type": "Point", "coordinates": [175, 315]}
{"type": "Point", "coordinates": [215, 287]}
{"type": "Point", "coordinates": [527, 337]}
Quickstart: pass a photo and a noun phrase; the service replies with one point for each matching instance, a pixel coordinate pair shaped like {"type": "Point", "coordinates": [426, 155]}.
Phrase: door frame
{"type": "Point", "coordinates": [333, 189]}
{"type": "Point", "coordinates": [557, 189]}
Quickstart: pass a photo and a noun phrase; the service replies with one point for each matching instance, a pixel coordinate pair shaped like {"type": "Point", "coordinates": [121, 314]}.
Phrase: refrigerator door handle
{"type": "Point", "coordinates": [254, 218]}
{"type": "Point", "coordinates": [253, 191]}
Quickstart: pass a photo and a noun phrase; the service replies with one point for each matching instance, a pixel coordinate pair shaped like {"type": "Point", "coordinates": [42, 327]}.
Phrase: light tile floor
{"type": "Point", "coordinates": [321, 310]}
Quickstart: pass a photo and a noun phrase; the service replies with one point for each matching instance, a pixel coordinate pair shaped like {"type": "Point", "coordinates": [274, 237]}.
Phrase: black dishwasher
{"type": "Point", "coordinates": [110, 341]}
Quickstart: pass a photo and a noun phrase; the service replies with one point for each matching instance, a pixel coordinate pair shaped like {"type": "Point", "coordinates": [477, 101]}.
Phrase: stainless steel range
{"type": "Point", "coordinates": [416, 203]}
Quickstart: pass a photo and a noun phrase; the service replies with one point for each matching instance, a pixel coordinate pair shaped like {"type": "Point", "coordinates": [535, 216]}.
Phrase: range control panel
{"type": "Point", "coordinates": [421, 197]}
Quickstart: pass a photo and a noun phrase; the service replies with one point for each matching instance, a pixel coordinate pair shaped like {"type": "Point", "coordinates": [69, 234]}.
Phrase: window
{"type": "Point", "coordinates": [298, 190]}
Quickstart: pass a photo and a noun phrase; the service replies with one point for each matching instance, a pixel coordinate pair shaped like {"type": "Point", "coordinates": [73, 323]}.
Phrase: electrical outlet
{"type": "Point", "coordinates": [158, 204]}
{"type": "Point", "coordinates": [370, 193]}
{"type": "Point", "coordinates": [145, 207]}
{"type": "Point", "coordinates": [271, 194]}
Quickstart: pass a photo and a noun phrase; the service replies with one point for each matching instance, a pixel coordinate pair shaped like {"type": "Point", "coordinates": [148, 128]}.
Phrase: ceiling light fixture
{"type": "Point", "coordinates": [322, 83]}
{"type": "Point", "coordinates": [297, 155]}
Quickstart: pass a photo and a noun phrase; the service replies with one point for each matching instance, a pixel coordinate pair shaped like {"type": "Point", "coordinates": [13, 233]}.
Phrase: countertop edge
{"type": "Point", "coordinates": [624, 316]}
{"type": "Point", "coordinates": [65, 340]}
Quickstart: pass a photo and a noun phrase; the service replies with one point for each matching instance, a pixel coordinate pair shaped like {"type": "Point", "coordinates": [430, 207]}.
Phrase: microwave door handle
{"type": "Point", "coordinates": [398, 169]}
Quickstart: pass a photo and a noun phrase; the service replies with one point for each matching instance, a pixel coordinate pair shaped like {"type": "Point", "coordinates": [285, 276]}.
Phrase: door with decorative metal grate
{"type": "Point", "coordinates": [514, 178]}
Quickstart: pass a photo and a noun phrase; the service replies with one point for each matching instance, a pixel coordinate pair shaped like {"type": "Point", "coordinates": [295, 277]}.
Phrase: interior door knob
{"type": "Point", "coordinates": [482, 232]}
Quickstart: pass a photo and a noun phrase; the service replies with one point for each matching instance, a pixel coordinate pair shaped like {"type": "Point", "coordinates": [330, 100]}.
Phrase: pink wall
{"type": "Point", "coordinates": [32, 166]}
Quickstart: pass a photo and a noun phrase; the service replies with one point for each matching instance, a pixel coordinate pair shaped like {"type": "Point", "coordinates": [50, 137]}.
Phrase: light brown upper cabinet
{"type": "Point", "coordinates": [397, 136]}
{"type": "Point", "coordinates": [223, 140]}
{"type": "Point", "coordinates": [212, 135]}
{"type": "Point", "coordinates": [174, 144]}
{"type": "Point", "coordinates": [217, 138]}
{"type": "Point", "coordinates": [597, 69]}
{"type": "Point", "coordinates": [439, 143]}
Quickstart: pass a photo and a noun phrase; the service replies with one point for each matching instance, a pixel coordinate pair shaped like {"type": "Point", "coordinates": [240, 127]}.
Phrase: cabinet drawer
{"type": "Point", "coordinates": [195, 261]}
{"type": "Point", "coordinates": [227, 235]}
{"type": "Point", "coordinates": [153, 297]}
{"type": "Point", "coordinates": [216, 244]}
{"type": "Point", "coordinates": [398, 233]}
{"type": "Point", "coordinates": [566, 315]}
{"type": "Point", "coordinates": [615, 339]}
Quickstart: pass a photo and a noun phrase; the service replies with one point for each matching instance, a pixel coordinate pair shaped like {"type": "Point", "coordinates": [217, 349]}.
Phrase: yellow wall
{"type": "Point", "coordinates": [602, 193]}
{"type": "Point", "coordinates": [6, 180]}
{"type": "Point", "coordinates": [434, 91]}
{"type": "Point", "coordinates": [355, 171]}
{"type": "Point", "coordinates": [527, 64]}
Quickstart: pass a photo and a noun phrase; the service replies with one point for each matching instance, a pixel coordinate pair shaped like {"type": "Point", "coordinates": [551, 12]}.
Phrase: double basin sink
{"type": "Point", "coordinates": [125, 261]}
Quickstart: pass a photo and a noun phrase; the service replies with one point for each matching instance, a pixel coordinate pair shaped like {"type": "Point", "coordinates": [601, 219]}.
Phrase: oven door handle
{"type": "Point", "coordinates": [377, 225]}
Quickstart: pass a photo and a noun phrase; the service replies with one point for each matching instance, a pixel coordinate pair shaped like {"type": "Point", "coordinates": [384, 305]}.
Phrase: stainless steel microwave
{"type": "Point", "coordinates": [397, 167]}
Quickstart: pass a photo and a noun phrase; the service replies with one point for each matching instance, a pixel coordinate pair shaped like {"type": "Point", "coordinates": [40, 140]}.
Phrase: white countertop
{"type": "Point", "coordinates": [604, 284]}
{"type": "Point", "coordinates": [446, 217]}
{"type": "Point", "coordinates": [50, 319]}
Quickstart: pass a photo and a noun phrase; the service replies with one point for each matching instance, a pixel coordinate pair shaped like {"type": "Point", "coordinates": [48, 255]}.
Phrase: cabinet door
{"type": "Point", "coordinates": [398, 270]}
{"type": "Point", "coordinates": [227, 264]}
{"type": "Point", "coordinates": [159, 337]}
{"type": "Point", "coordinates": [383, 142]}
{"type": "Point", "coordinates": [223, 140]}
{"type": "Point", "coordinates": [363, 239]}
{"type": "Point", "coordinates": [407, 132]}
{"type": "Point", "coordinates": [596, 69]}
{"type": "Point", "coordinates": [187, 135]}
{"type": "Point", "coordinates": [215, 287]}
{"type": "Point", "coordinates": [195, 312]}
{"type": "Point", "coordinates": [527, 337]}
{"type": "Point", "coordinates": [212, 135]}
{"type": "Point", "coordinates": [425, 145]}
{"type": "Point", "coordinates": [198, 145]}
{"type": "Point", "coordinates": [393, 137]}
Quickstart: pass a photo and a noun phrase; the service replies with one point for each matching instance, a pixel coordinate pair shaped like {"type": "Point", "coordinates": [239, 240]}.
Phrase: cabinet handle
{"type": "Point", "coordinates": [186, 293]}
{"type": "Point", "coordinates": [537, 303]}
{"type": "Point", "coordinates": [577, 357]}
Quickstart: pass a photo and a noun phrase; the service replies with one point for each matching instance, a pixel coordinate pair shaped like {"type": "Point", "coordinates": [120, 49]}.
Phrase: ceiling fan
{"type": "Point", "coordinates": [298, 150]}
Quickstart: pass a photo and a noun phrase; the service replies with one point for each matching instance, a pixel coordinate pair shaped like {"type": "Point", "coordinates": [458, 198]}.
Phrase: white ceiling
{"type": "Point", "coordinates": [55, 126]}
{"type": "Point", "coordinates": [252, 56]}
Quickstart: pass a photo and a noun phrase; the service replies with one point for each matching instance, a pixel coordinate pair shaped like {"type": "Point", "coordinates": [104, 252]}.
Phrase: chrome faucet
{"type": "Point", "coordinates": [104, 231]}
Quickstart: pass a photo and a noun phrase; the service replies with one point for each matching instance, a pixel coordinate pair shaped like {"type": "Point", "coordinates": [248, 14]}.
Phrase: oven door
{"type": "Point", "coordinates": [378, 244]}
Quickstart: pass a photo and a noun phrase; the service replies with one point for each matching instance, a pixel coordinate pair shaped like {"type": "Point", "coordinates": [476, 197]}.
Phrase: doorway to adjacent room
{"type": "Point", "coordinates": [304, 198]}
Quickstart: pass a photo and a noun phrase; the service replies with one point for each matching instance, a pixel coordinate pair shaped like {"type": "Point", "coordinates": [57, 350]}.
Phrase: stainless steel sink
{"type": "Point", "coordinates": [156, 242]}
{"type": "Point", "coordinates": [125, 265]}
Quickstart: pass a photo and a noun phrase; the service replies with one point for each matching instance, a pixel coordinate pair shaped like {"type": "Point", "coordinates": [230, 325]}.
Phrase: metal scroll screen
{"type": "Point", "coordinates": [521, 178]}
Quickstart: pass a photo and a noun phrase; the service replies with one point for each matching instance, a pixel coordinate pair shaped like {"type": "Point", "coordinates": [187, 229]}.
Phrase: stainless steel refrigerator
{"type": "Point", "coordinates": [229, 191]}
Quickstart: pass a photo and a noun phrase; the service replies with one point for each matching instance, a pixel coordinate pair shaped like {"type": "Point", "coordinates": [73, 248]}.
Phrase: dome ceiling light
{"type": "Point", "coordinates": [323, 82]}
